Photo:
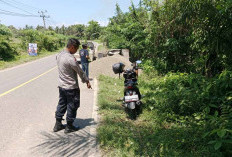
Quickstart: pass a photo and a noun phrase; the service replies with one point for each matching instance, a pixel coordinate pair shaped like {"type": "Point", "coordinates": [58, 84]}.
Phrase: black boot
{"type": "Point", "coordinates": [70, 128]}
{"type": "Point", "coordinates": [58, 126]}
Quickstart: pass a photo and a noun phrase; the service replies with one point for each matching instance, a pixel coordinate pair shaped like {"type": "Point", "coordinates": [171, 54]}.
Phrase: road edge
{"type": "Point", "coordinates": [93, 129]}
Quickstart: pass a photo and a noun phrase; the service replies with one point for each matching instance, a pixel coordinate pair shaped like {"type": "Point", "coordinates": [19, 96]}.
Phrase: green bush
{"type": "Point", "coordinates": [194, 101]}
{"type": "Point", "coordinates": [10, 47]}
{"type": "Point", "coordinates": [178, 93]}
{"type": "Point", "coordinates": [7, 51]}
{"type": "Point", "coordinates": [119, 136]}
{"type": "Point", "coordinates": [5, 30]}
{"type": "Point", "coordinates": [30, 36]}
{"type": "Point", "coordinates": [50, 43]}
{"type": "Point", "coordinates": [191, 36]}
{"type": "Point", "coordinates": [47, 40]}
{"type": "Point", "coordinates": [219, 112]}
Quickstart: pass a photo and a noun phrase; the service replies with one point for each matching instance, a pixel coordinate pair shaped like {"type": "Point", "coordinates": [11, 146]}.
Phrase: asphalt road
{"type": "Point", "coordinates": [28, 100]}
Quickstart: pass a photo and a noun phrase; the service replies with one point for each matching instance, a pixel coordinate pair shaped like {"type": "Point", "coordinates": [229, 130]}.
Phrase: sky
{"type": "Point", "coordinates": [61, 12]}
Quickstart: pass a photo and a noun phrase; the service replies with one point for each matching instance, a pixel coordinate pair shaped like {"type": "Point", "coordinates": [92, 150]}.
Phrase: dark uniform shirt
{"type": "Point", "coordinates": [83, 54]}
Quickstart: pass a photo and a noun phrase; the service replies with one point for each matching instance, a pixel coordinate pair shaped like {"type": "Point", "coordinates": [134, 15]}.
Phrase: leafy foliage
{"type": "Point", "coordinates": [47, 40]}
{"type": "Point", "coordinates": [151, 134]}
{"type": "Point", "coordinates": [93, 30]}
{"type": "Point", "coordinates": [186, 50]}
{"type": "Point", "coordinates": [192, 100]}
{"type": "Point", "coordinates": [73, 30]}
{"type": "Point", "coordinates": [179, 94]}
{"type": "Point", "coordinates": [14, 42]}
{"type": "Point", "coordinates": [7, 51]}
{"type": "Point", "coordinates": [5, 30]}
{"type": "Point", "coordinates": [178, 35]}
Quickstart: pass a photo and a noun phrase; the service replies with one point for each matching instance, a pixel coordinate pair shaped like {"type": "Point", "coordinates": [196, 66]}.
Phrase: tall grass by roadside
{"type": "Point", "coordinates": [23, 58]}
{"type": "Point", "coordinates": [147, 136]}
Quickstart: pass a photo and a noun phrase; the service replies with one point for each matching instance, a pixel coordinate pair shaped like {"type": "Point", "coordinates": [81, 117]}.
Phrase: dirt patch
{"type": "Point", "coordinates": [104, 65]}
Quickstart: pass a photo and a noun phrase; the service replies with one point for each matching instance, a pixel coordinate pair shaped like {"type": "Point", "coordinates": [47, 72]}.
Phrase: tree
{"type": "Point", "coordinates": [76, 30]}
{"type": "Point", "coordinates": [50, 28]}
{"type": "Point", "coordinates": [93, 30]}
{"type": "Point", "coordinates": [5, 31]}
{"type": "Point", "coordinates": [176, 35]}
{"type": "Point", "coordinates": [39, 28]}
{"type": "Point", "coordinates": [63, 30]}
{"type": "Point", "coordinates": [79, 31]}
{"type": "Point", "coordinates": [28, 27]}
{"type": "Point", "coordinates": [57, 30]}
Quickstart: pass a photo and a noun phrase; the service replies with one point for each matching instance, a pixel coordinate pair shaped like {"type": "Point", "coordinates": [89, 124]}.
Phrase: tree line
{"type": "Point", "coordinates": [185, 36]}
{"type": "Point", "coordinates": [14, 41]}
{"type": "Point", "coordinates": [91, 31]}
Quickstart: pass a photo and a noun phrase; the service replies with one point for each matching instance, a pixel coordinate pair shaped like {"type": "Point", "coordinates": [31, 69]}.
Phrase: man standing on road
{"type": "Point", "coordinates": [84, 54]}
{"type": "Point", "coordinates": [69, 92]}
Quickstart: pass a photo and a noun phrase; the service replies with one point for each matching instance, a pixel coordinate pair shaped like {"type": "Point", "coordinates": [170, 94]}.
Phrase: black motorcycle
{"type": "Point", "coordinates": [132, 96]}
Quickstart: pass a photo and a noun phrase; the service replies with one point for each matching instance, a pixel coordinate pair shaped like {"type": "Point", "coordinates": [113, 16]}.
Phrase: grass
{"type": "Point", "coordinates": [23, 58]}
{"type": "Point", "coordinates": [102, 48]}
{"type": "Point", "coordinates": [148, 135]}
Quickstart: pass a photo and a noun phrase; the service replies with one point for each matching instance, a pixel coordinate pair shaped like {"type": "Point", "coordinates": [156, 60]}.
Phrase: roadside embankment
{"type": "Point", "coordinates": [104, 65]}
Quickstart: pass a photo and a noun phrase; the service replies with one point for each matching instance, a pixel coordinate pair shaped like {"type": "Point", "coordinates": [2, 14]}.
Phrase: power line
{"type": "Point", "coordinates": [52, 20]}
{"type": "Point", "coordinates": [23, 4]}
{"type": "Point", "coordinates": [16, 7]}
{"type": "Point", "coordinates": [12, 3]}
{"type": "Point", "coordinates": [50, 23]}
{"type": "Point", "coordinates": [10, 12]}
{"type": "Point", "coordinates": [6, 12]}
{"type": "Point", "coordinates": [14, 14]}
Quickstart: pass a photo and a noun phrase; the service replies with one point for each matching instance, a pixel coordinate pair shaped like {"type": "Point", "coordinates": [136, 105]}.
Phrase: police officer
{"type": "Point", "coordinates": [69, 92]}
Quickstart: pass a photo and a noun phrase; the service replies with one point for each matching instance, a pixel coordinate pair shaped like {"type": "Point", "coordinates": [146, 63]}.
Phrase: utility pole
{"type": "Point", "coordinates": [43, 16]}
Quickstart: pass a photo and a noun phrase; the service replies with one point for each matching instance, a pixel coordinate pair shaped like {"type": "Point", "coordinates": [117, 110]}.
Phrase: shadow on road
{"type": "Point", "coordinates": [80, 143]}
{"type": "Point", "coordinates": [82, 123]}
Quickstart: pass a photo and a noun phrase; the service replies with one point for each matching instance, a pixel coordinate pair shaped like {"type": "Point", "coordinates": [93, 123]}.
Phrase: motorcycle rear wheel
{"type": "Point", "coordinates": [132, 114]}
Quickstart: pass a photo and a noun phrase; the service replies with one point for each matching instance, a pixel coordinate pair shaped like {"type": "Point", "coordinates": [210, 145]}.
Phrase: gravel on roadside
{"type": "Point", "coordinates": [104, 66]}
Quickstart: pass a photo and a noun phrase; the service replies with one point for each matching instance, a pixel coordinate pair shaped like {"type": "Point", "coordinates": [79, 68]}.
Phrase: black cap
{"type": "Point", "coordinates": [84, 45]}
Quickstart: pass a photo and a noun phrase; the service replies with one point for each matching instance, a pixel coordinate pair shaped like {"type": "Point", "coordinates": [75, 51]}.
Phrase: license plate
{"type": "Point", "coordinates": [131, 98]}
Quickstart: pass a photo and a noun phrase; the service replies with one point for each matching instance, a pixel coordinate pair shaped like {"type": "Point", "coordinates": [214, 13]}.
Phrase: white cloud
{"type": "Point", "coordinates": [103, 23]}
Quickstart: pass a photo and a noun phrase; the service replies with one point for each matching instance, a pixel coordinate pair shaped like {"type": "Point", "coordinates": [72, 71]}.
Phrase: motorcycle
{"type": "Point", "coordinates": [132, 97]}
